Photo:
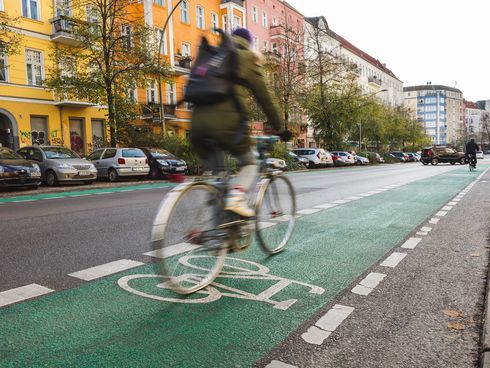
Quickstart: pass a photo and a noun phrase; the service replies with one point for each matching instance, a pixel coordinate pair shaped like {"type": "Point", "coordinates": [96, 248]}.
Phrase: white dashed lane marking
{"type": "Point", "coordinates": [105, 269]}
{"type": "Point", "coordinates": [447, 208]}
{"type": "Point", "coordinates": [327, 324]}
{"type": "Point", "coordinates": [180, 248]}
{"type": "Point", "coordinates": [22, 293]}
{"type": "Point", "coordinates": [278, 364]}
{"type": "Point", "coordinates": [326, 206]}
{"type": "Point", "coordinates": [411, 243]}
{"type": "Point", "coordinates": [434, 220]}
{"type": "Point", "coordinates": [368, 283]}
{"type": "Point", "coordinates": [308, 211]}
{"type": "Point", "coordinates": [441, 213]}
{"type": "Point", "coordinates": [341, 201]}
{"type": "Point", "coordinates": [393, 260]}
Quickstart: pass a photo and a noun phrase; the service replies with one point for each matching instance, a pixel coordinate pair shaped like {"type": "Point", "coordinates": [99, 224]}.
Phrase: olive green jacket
{"type": "Point", "coordinates": [223, 121]}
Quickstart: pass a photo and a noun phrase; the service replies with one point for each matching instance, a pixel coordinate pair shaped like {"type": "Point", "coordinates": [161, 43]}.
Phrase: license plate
{"type": "Point", "coordinates": [180, 169]}
{"type": "Point", "coordinates": [84, 173]}
{"type": "Point", "coordinates": [138, 168]}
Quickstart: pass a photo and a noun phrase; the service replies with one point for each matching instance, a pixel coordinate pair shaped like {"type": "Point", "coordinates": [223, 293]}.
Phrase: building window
{"type": "Point", "coordinates": [151, 92]}
{"type": "Point", "coordinates": [98, 134]}
{"type": "Point", "coordinates": [186, 49]}
{"type": "Point", "coordinates": [184, 11]}
{"type": "Point", "coordinates": [127, 37]}
{"type": "Point", "coordinates": [225, 23]}
{"type": "Point", "coordinates": [237, 22]}
{"type": "Point", "coordinates": [159, 2]}
{"type": "Point", "coordinates": [68, 67]}
{"type": "Point", "coordinates": [255, 44]}
{"type": "Point", "coordinates": [35, 67]}
{"type": "Point", "coordinates": [163, 43]}
{"type": "Point", "coordinates": [264, 19]}
{"type": "Point", "coordinates": [1, 5]}
{"type": "Point", "coordinates": [214, 23]}
{"type": "Point", "coordinates": [200, 17]}
{"type": "Point", "coordinates": [255, 15]}
{"type": "Point", "coordinates": [266, 46]}
{"type": "Point", "coordinates": [274, 21]}
{"type": "Point", "coordinates": [63, 7]}
{"type": "Point", "coordinates": [170, 90]}
{"type": "Point", "coordinates": [31, 9]}
{"type": "Point", "coordinates": [3, 68]}
{"type": "Point", "coordinates": [39, 130]}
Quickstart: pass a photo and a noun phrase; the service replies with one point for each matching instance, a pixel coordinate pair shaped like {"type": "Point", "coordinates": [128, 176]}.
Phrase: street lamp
{"type": "Point", "coordinates": [159, 62]}
{"type": "Point", "coordinates": [360, 123]}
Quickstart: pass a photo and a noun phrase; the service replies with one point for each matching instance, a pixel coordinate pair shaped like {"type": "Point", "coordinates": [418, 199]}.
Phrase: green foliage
{"type": "Point", "coordinates": [280, 151]}
{"type": "Point", "coordinates": [9, 39]}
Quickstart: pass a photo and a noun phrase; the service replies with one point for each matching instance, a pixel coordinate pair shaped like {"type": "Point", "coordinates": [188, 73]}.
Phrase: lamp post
{"type": "Point", "coordinates": [159, 62]}
{"type": "Point", "coordinates": [360, 122]}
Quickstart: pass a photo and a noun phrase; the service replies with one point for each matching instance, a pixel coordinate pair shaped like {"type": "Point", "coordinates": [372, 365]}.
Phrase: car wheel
{"type": "Point", "coordinates": [88, 182]}
{"type": "Point", "coordinates": [311, 165]}
{"type": "Point", "coordinates": [452, 162]}
{"type": "Point", "coordinates": [113, 175]}
{"type": "Point", "coordinates": [462, 162]}
{"type": "Point", "coordinates": [434, 161]}
{"type": "Point", "coordinates": [425, 163]}
{"type": "Point", "coordinates": [51, 178]}
{"type": "Point", "coordinates": [155, 173]}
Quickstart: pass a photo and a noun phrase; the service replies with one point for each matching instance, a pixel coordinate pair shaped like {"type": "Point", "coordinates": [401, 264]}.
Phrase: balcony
{"type": "Point", "coordinates": [182, 64]}
{"type": "Point", "coordinates": [236, 2]}
{"type": "Point", "coordinates": [64, 100]}
{"type": "Point", "coordinates": [272, 56]}
{"type": "Point", "coordinates": [151, 110]}
{"type": "Point", "coordinates": [62, 27]}
{"type": "Point", "coordinates": [374, 80]}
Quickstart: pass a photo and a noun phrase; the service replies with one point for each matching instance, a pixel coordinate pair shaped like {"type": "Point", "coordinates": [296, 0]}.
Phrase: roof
{"type": "Point", "coordinates": [292, 8]}
{"type": "Point", "coordinates": [428, 87]}
{"type": "Point", "coordinates": [314, 21]}
{"type": "Point", "coordinates": [471, 105]}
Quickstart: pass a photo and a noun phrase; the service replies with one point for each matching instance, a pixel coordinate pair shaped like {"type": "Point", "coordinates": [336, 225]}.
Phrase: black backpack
{"type": "Point", "coordinates": [212, 76]}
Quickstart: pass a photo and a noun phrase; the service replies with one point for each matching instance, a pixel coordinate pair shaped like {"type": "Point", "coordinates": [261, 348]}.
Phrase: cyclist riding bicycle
{"type": "Point", "coordinates": [223, 127]}
{"type": "Point", "coordinates": [471, 149]}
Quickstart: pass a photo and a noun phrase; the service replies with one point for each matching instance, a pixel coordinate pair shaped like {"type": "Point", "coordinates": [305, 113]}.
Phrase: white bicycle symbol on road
{"type": "Point", "coordinates": [234, 268]}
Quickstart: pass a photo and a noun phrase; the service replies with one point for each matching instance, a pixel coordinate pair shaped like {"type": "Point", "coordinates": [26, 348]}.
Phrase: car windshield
{"type": "Point", "coordinates": [133, 152]}
{"type": "Point", "coordinates": [162, 154]}
{"type": "Point", "coordinates": [59, 153]}
{"type": "Point", "coordinates": [6, 154]}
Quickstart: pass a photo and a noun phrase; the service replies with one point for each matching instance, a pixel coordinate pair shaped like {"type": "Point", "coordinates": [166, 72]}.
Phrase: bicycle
{"type": "Point", "coordinates": [192, 233]}
{"type": "Point", "coordinates": [471, 160]}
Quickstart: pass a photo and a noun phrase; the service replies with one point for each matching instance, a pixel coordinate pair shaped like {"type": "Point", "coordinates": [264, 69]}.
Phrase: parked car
{"type": "Point", "coordinates": [479, 155]}
{"type": "Point", "coordinates": [437, 154]}
{"type": "Point", "coordinates": [401, 156]}
{"type": "Point", "coordinates": [374, 156]}
{"type": "Point", "coordinates": [338, 160]}
{"type": "Point", "coordinates": [346, 156]}
{"type": "Point", "coordinates": [299, 159]}
{"type": "Point", "coordinates": [60, 164]}
{"type": "Point", "coordinates": [162, 162]}
{"type": "Point", "coordinates": [276, 163]}
{"type": "Point", "coordinates": [114, 163]}
{"type": "Point", "coordinates": [361, 160]}
{"type": "Point", "coordinates": [412, 157]}
{"type": "Point", "coordinates": [16, 171]}
{"type": "Point", "coordinates": [315, 156]}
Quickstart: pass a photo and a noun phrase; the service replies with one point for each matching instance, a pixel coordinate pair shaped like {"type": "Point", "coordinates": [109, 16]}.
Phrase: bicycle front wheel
{"type": "Point", "coordinates": [186, 239]}
{"type": "Point", "coordinates": [276, 210]}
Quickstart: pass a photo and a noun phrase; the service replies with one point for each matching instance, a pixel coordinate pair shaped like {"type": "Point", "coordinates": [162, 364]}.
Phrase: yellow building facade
{"type": "Point", "coordinates": [29, 113]}
{"type": "Point", "coordinates": [32, 114]}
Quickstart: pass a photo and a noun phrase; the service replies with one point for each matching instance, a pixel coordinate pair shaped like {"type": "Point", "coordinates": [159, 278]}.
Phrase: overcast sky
{"type": "Point", "coordinates": [442, 41]}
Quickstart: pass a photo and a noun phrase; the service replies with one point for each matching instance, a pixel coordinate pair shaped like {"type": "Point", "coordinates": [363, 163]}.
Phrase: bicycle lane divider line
{"type": "Point", "coordinates": [279, 364]}
{"type": "Point", "coordinates": [80, 193]}
{"type": "Point", "coordinates": [319, 264]}
{"type": "Point", "coordinates": [327, 324]}
{"type": "Point", "coordinates": [103, 270]}
{"type": "Point", "coordinates": [22, 293]}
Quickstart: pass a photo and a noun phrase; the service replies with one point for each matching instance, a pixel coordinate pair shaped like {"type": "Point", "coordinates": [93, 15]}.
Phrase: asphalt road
{"type": "Point", "coordinates": [426, 312]}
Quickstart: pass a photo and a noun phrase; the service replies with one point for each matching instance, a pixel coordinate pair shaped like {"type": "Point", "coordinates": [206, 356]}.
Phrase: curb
{"type": "Point", "coordinates": [485, 336]}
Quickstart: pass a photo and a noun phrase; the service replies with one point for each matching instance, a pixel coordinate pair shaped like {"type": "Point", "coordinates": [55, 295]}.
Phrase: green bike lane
{"type": "Point", "coordinates": [100, 324]}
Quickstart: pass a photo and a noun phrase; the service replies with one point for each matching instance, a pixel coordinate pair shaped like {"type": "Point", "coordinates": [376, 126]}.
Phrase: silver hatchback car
{"type": "Point", "coordinates": [60, 164]}
{"type": "Point", "coordinates": [115, 163]}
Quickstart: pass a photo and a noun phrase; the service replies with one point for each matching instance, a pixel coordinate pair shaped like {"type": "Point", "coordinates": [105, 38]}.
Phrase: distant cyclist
{"type": "Point", "coordinates": [223, 127]}
{"type": "Point", "coordinates": [471, 149]}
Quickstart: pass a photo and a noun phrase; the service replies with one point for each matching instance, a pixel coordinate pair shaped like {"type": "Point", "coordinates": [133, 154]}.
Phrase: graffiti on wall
{"type": "Point", "coordinates": [76, 142]}
{"type": "Point", "coordinates": [40, 138]}
{"type": "Point", "coordinates": [55, 139]}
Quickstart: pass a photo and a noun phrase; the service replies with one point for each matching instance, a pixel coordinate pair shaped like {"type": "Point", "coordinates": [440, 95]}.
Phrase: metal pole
{"type": "Point", "coordinates": [159, 62]}
{"type": "Point", "coordinates": [360, 137]}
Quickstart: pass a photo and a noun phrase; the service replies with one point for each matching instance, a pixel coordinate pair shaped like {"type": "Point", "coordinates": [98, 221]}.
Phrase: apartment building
{"type": "Point", "coordinates": [30, 114]}
{"type": "Point", "coordinates": [439, 109]}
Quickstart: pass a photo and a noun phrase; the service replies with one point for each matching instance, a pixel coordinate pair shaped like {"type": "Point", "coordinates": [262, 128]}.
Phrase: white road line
{"type": "Point", "coordinates": [53, 198]}
{"type": "Point", "coordinates": [434, 220]}
{"type": "Point", "coordinates": [176, 249]}
{"type": "Point", "coordinates": [105, 269]}
{"type": "Point", "coordinates": [278, 364]}
{"type": "Point", "coordinates": [456, 199]}
{"type": "Point", "coordinates": [326, 206]}
{"type": "Point", "coordinates": [368, 284]}
{"type": "Point", "coordinates": [334, 317]}
{"type": "Point", "coordinates": [421, 233]}
{"type": "Point", "coordinates": [426, 229]}
{"type": "Point", "coordinates": [315, 335]}
{"type": "Point", "coordinates": [22, 293]}
{"type": "Point", "coordinates": [452, 203]}
{"type": "Point", "coordinates": [283, 218]}
{"type": "Point", "coordinates": [308, 211]}
{"type": "Point", "coordinates": [447, 208]}
{"type": "Point", "coordinates": [367, 194]}
{"type": "Point", "coordinates": [354, 198]}
{"type": "Point", "coordinates": [341, 201]}
{"type": "Point", "coordinates": [80, 195]}
{"type": "Point", "coordinates": [441, 213]}
{"type": "Point", "coordinates": [412, 243]}
{"type": "Point", "coordinates": [24, 200]}
{"type": "Point", "coordinates": [393, 260]}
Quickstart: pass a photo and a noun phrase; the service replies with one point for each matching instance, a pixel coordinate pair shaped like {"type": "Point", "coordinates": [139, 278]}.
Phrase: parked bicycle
{"type": "Point", "coordinates": [192, 232]}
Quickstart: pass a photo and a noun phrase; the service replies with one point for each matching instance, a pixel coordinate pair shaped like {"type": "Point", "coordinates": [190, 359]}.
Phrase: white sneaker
{"type": "Point", "coordinates": [236, 201]}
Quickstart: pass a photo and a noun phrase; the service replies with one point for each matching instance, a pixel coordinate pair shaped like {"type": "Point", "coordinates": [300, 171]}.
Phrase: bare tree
{"type": "Point", "coordinates": [113, 52]}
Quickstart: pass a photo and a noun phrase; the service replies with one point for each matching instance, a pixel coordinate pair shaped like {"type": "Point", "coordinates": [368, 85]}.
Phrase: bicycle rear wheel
{"type": "Point", "coordinates": [276, 210]}
{"type": "Point", "coordinates": [186, 239]}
